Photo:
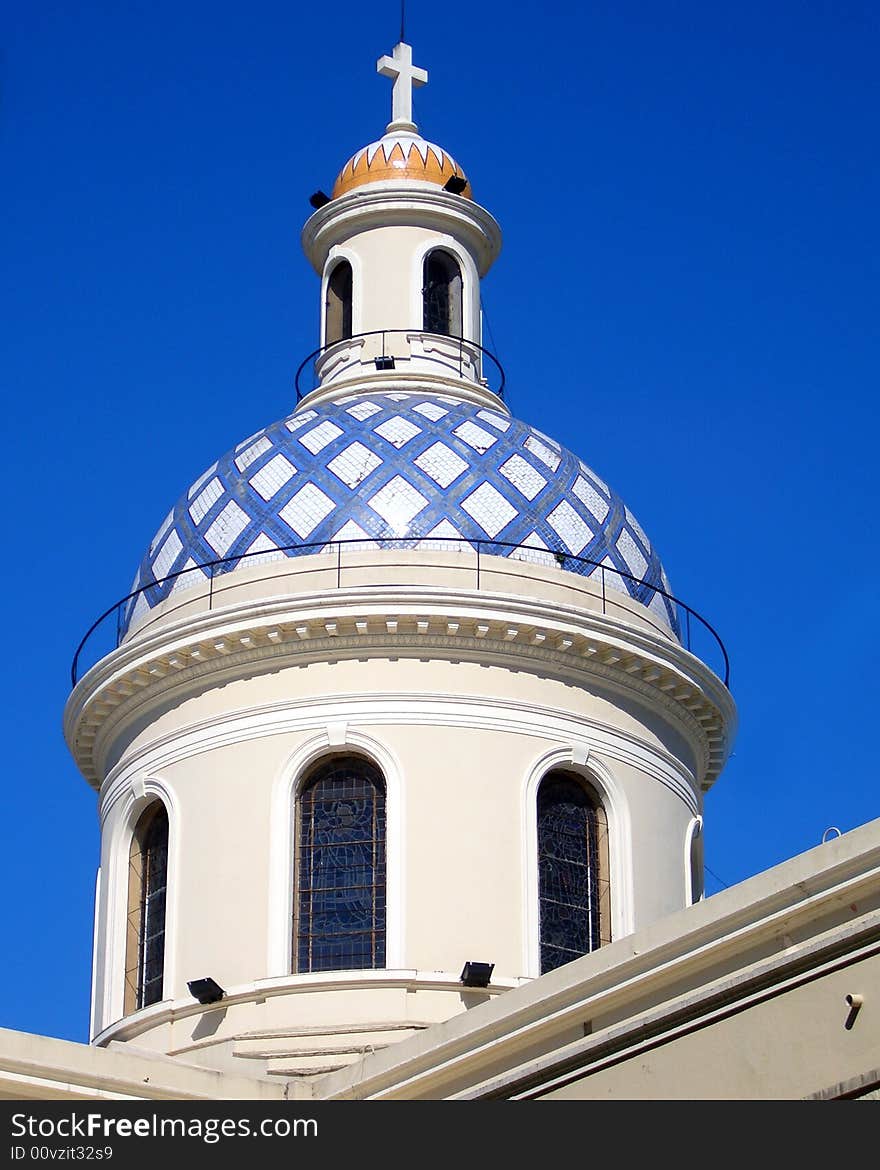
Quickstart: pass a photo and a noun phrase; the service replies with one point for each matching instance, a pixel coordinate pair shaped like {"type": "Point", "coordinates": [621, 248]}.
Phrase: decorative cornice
{"type": "Point", "coordinates": [409, 203]}
{"type": "Point", "coordinates": [499, 629]}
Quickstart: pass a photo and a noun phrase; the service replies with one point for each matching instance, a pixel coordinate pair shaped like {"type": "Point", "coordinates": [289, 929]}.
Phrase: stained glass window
{"type": "Point", "coordinates": [148, 882]}
{"type": "Point", "coordinates": [340, 905]}
{"type": "Point", "coordinates": [572, 868]}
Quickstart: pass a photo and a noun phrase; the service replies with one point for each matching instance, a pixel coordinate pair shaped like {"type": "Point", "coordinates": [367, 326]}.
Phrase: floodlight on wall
{"type": "Point", "coordinates": [205, 990]}
{"type": "Point", "coordinates": [455, 184]}
{"type": "Point", "coordinates": [477, 974]}
{"type": "Point", "coordinates": [384, 363]}
{"type": "Point", "coordinates": [854, 1003]}
{"type": "Point", "coordinates": [318, 199]}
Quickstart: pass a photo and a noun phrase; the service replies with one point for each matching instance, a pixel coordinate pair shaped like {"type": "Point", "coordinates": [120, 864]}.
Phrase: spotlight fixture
{"type": "Point", "coordinates": [205, 990]}
{"type": "Point", "coordinates": [384, 363]}
{"type": "Point", "coordinates": [318, 199]}
{"type": "Point", "coordinates": [477, 974]}
{"type": "Point", "coordinates": [455, 184]}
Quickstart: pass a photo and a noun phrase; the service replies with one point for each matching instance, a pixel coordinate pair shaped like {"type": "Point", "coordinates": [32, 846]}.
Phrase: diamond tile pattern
{"type": "Point", "coordinates": [354, 464]}
{"type": "Point", "coordinates": [226, 528]}
{"type": "Point", "coordinates": [397, 430]}
{"type": "Point", "coordinates": [305, 511]}
{"type": "Point", "coordinates": [414, 465]}
{"type": "Point", "coordinates": [523, 476]}
{"type": "Point", "coordinates": [542, 451]}
{"type": "Point", "coordinates": [272, 476]}
{"type": "Point", "coordinates": [475, 436]}
{"type": "Point", "coordinates": [317, 438]}
{"type": "Point", "coordinates": [209, 495]}
{"type": "Point", "coordinates": [441, 464]}
{"type": "Point", "coordinates": [251, 452]}
{"type": "Point", "coordinates": [572, 527]}
{"type": "Point", "coordinates": [397, 502]}
{"type": "Point", "coordinates": [489, 508]}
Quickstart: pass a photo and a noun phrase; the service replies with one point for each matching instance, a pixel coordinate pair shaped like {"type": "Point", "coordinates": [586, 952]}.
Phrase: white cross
{"type": "Point", "coordinates": [406, 75]}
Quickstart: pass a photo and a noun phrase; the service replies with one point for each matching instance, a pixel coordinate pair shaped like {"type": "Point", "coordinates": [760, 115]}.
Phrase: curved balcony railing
{"type": "Point", "coordinates": [109, 630]}
{"type": "Point", "coordinates": [412, 350]}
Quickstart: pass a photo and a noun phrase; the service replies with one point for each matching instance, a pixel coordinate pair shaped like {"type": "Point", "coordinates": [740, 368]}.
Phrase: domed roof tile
{"type": "Point", "coordinates": [402, 465]}
{"type": "Point", "coordinates": [397, 157]}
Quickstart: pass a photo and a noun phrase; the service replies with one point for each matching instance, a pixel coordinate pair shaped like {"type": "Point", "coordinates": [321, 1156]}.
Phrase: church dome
{"type": "Point", "coordinates": [402, 465]}
{"type": "Point", "coordinates": [400, 156]}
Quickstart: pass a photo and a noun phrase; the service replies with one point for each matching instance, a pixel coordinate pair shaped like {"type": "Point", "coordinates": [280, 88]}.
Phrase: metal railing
{"type": "Point", "coordinates": [463, 345]}
{"type": "Point", "coordinates": [685, 623]}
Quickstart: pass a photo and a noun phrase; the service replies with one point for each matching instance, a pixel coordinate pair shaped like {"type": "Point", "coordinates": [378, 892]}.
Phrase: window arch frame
{"type": "Point", "coordinates": [455, 303]}
{"type": "Point", "coordinates": [319, 769]}
{"type": "Point", "coordinates": [336, 265]}
{"type": "Point", "coordinates": [589, 873]}
{"type": "Point", "coordinates": [576, 756]}
{"type": "Point", "coordinates": [146, 906]}
{"type": "Point", "coordinates": [335, 736]}
{"type": "Point", "coordinates": [695, 865]}
{"type": "Point", "coordinates": [120, 806]}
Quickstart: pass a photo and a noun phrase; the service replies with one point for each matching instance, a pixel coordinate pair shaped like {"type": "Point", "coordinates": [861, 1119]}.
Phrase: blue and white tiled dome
{"type": "Point", "coordinates": [402, 465]}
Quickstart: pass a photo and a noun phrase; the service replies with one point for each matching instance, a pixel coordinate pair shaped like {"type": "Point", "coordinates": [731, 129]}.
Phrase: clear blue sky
{"type": "Point", "coordinates": [687, 297]}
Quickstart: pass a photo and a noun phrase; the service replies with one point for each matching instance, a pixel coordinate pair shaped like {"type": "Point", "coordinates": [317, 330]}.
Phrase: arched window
{"type": "Point", "coordinates": [573, 886]}
{"type": "Point", "coordinates": [442, 294]}
{"type": "Point", "coordinates": [339, 918]}
{"type": "Point", "coordinates": [337, 323]}
{"type": "Point", "coordinates": [147, 885]}
{"type": "Point", "coordinates": [696, 879]}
